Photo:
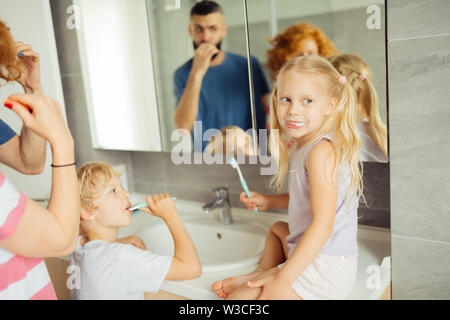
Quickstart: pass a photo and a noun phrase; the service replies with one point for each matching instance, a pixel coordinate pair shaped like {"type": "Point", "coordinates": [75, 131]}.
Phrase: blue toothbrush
{"type": "Point", "coordinates": [142, 205]}
{"type": "Point", "coordinates": [235, 165]}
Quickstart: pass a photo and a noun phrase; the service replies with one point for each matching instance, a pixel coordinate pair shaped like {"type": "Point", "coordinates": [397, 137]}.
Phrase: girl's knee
{"type": "Point", "coordinates": [280, 227]}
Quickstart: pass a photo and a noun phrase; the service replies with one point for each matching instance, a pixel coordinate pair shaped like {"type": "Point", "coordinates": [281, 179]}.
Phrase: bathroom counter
{"type": "Point", "coordinates": [373, 263]}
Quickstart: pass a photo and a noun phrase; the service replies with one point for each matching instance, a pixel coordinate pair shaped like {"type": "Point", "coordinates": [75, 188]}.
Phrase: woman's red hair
{"type": "Point", "coordinates": [287, 43]}
{"type": "Point", "coordinates": [10, 66]}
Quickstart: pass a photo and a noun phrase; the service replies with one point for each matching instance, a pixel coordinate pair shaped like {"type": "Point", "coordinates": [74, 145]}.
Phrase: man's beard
{"type": "Point", "coordinates": [218, 46]}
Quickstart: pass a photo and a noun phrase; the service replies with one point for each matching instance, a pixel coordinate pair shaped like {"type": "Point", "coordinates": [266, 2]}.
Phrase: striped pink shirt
{"type": "Point", "coordinates": [20, 277]}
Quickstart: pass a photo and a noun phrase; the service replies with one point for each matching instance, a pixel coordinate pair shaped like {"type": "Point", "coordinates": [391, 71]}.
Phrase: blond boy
{"type": "Point", "coordinates": [114, 268]}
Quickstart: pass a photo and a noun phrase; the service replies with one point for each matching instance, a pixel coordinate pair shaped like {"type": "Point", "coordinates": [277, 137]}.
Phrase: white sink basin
{"type": "Point", "coordinates": [220, 247]}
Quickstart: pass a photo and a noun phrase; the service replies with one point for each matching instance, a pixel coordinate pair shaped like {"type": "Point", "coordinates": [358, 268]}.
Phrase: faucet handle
{"type": "Point", "coordinates": [221, 192]}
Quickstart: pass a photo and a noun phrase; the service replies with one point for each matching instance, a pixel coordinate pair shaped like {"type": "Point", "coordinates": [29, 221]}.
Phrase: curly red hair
{"type": "Point", "coordinates": [10, 66]}
{"type": "Point", "coordinates": [287, 42]}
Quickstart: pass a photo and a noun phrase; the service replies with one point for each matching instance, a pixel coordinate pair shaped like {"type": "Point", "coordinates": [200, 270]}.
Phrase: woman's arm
{"type": "Point", "coordinates": [53, 231]}
{"type": "Point", "coordinates": [26, 152]}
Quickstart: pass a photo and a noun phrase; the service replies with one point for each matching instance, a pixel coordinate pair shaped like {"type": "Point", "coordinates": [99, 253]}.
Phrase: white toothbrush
{"type": "Point", "coordinates": [142, 205]}
{"type": "Point", "coordinates": [235, 165]}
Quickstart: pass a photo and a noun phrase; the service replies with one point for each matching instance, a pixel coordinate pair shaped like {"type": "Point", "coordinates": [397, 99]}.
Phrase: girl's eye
{"type": "Point", "coordinates": [113, 190]}
{"type": "Point", "coordinates": [285, 100]}
{"type": "Point", "coordinates": [307, 101]}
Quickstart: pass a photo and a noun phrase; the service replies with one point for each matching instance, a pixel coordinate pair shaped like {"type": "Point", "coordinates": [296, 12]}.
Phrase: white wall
{"type": "Point", "coordinates": [31, 22]}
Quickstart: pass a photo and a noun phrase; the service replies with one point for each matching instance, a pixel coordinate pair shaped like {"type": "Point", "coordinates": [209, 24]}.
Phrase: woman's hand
{"type": "Point", "coordinates": [30, 77]}
{"type": "Point", "coordinates": [258, 200]}
{"type": "Point", "coordinates": [45, 117]}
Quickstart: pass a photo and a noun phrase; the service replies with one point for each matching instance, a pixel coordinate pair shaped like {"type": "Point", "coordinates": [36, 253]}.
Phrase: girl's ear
{"type": "Point", "coordinates": [331, 106]}
{"type": "Point", "coordinates": [86, 215]}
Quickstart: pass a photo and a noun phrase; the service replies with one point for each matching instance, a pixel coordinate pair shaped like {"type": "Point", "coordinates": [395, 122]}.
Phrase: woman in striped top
{"type": "Point", "coordinates": [29, 232]}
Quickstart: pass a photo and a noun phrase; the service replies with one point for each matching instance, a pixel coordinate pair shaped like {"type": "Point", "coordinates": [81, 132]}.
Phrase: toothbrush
{"type": "Point", "coordinates": [142, 205]}
{"type": "Point", "coordinates": [235, 165]}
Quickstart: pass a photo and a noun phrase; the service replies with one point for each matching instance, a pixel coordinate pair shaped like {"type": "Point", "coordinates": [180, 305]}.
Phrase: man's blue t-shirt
{"type": "Point", "coordinates": [225, 95]}
{"type": "Point", "coordinates": [6, 133]}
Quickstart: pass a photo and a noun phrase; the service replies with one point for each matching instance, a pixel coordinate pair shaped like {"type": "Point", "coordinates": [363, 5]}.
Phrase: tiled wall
{"type": "Point", "coordinates": [419, 117]}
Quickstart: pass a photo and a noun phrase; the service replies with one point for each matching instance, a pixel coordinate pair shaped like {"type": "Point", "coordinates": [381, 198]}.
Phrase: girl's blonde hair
{"type": "Point", "coordinates": [93, 177]}
{"type": "Point", "coordinates": [342, 121]}
{"type": "Point", "coordinates": [359, 76]}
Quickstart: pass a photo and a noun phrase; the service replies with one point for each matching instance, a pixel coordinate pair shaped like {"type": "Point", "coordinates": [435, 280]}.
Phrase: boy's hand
{"type": "Point", "coordinates": [257, 200]}
{"type": "Point", "coordinates": [133, 240]}
{"type": "Point", "coordinates": [160, 205]}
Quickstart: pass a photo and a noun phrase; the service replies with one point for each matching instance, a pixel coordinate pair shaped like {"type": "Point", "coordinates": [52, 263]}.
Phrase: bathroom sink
{"type": "Point", "coordinates": [220, 247]}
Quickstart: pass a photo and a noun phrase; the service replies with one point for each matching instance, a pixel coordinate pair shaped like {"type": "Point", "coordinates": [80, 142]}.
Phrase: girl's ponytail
{"type": "Point", "coordinates": [346, 137]}
{"type": "Point", "coordinates": [359, 76]}
{"type": "Point", "coordinates": [370, 105]}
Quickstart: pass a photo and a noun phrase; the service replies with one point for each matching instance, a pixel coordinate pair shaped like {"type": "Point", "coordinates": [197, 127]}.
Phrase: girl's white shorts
{"type": "Point", "coordinates": [327, 277]}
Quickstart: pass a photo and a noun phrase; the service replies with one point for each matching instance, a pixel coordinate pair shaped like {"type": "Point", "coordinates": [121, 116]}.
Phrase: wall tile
{"type": "Point", "coordinates": [416, 18]}
{"type": "Point", "coordinates": [420, 269]}
{"type": "Point", "coordinates": [418, 122]}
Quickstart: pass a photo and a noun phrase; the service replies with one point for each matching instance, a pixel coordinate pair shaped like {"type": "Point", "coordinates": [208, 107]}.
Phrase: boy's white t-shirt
{"type": "Point", "coordinates": [116, 271]}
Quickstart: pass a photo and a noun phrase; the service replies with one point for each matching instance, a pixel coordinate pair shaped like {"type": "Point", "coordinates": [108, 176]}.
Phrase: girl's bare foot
{"type": "Point", "coordinates": [224, 287]}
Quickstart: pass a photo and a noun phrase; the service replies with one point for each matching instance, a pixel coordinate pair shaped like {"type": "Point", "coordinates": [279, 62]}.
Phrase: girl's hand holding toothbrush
{"type": "Point", "coordinates": [257, 200]}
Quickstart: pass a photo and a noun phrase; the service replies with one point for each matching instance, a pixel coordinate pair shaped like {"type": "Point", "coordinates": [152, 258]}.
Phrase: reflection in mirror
{"type": "Point", "coordinates": [115, 57]}
{"type": "Point", "coordinates": [202, 72]}
{"type": "Point", "coordinates": [283, 29]}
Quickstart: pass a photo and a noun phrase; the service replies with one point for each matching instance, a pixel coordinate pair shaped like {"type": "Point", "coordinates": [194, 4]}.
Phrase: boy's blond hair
{"type": "Point", "coordinates": [93, 177]}
{"type": "Point", "coordinates": [230, 132]}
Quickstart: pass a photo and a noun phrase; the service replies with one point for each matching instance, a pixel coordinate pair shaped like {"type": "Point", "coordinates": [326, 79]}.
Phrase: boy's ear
{"type": "Point", "coordinates": [86, 215]}
{"type": "Point", "coordinates": [331, 106]}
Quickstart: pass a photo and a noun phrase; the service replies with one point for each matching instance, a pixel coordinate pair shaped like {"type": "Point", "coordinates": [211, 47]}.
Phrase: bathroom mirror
{"type": "Point", "coordinates": [354, 27]}
{"type": "Point", "coordinates": [173, 36]}
{"type": "Point", "coordinates": [130, 51]}
{"type": "Point", "coordinates": [115, 56]}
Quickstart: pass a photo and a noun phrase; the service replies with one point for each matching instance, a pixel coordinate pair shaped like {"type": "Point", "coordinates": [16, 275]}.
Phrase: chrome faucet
{"type": "Point", "coordinates": [222, 202]}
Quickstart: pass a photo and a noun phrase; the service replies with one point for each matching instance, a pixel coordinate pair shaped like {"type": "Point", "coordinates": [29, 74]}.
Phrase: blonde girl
{"type": "Point", "coordinates": [314, 256]}
{"type": "Point", "coordinates": [372, 129]}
